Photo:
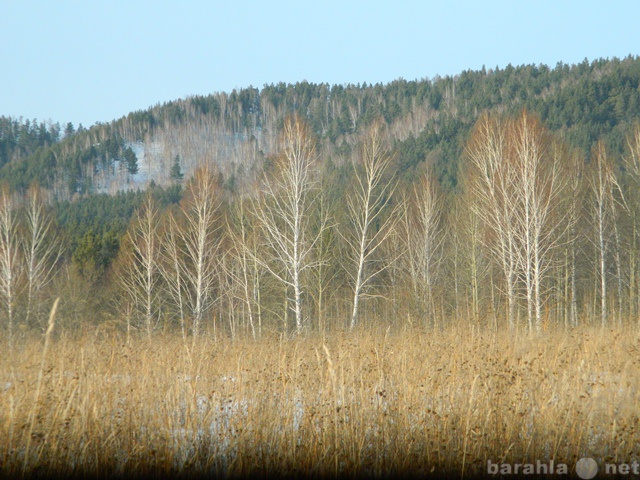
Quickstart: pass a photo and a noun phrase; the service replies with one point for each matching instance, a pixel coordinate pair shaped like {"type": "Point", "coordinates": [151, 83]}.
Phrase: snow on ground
{"type": "Point", "coordinates": [150, 168]}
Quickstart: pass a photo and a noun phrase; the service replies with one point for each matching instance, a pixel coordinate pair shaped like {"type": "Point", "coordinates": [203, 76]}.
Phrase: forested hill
{"type": "Point", "coordinates": [429, 121]}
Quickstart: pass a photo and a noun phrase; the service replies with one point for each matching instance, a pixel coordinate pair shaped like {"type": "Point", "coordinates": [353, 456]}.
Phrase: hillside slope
{"type": "Point", "coordinates": [429, 120]}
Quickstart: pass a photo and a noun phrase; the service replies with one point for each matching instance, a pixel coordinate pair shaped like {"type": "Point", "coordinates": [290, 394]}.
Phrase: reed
{"type": "Point", "coordinates": [363, 403]}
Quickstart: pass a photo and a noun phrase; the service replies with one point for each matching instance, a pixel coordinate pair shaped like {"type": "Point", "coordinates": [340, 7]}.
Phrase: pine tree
{"type": "Point", "coordinates": [131, 161]}
{"type": "Point", "coordinates": [176, 174]}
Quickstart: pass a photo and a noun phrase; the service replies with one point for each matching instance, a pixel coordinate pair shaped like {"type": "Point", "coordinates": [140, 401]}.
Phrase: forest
{"type": "Point", "coordinates": [489, 219]}
{"type": "Point", "coordinates": [418, 237]}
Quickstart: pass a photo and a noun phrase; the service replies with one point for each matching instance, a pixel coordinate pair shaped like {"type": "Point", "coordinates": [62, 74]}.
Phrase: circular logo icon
{"type": "Point", "coordinates": [586, 468]}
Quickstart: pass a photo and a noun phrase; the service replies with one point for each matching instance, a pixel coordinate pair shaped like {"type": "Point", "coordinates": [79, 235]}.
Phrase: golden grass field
{"type": "Point", "coordinates": [363, 403]}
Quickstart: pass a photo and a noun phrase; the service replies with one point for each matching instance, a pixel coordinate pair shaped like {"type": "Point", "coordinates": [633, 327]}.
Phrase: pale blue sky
{"type": "Point", "coordinates": [88, 61]}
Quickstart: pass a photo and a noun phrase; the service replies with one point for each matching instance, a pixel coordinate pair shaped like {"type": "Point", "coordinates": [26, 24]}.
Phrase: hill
{"type": "Point", "coordinates": [429, 120]}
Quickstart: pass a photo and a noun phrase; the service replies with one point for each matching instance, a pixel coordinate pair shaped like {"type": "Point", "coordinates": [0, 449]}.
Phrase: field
{"type": "Point", "coordinates": [356, 404]}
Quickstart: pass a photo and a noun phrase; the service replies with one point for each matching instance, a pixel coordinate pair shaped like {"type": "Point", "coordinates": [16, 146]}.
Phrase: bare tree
{"type": "Point", "coordinates": [283, 212]}
{"type": "Point", "coordinates": [490, 181]}
{"type": "Point", "coordinates": [9, 256]}
{"type": "Point", "coordinates": [324, 254]}
{"type": "Point", "coordinates": [247, 272]}
{"type": "Point", "coordinates": [574, 215]}
{"type": "Point", "coordinates": [41, 248]}
{"type": "Point", "coordinates": [603, 187]}
{"type": "Point", "coordinates": [366, 208]}
{"type": "Point", "coordinates": [517, 181]}
{"type": "Point", "coordinates": [190, 242]}
{"type": "Point", "coordinates": [538, 196]}
{"type": "Point", "coordinates": [140, 274]}
{"type": "Point", "coordinates": [470, 266]}
{"type": "Point", "coordinates": [632, 162]}
{"type": "Point", "coordinates": [172, 268]}
{"type": "Point", "coordinates": [423, 237]}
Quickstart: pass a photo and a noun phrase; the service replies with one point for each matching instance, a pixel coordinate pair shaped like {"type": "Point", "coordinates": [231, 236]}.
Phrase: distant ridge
{"type": "Point", "coordinates": [428, 120]}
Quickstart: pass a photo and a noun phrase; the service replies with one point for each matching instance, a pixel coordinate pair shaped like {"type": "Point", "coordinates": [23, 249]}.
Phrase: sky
{"type": "Point", "coordinates": [95, 61]}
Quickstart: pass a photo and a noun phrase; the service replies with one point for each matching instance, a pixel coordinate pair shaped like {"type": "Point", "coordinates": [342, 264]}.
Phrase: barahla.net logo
{"type": "Point", "coordinates": [586, 468]}
{"type": "Point", "coordinates": [538, 468]}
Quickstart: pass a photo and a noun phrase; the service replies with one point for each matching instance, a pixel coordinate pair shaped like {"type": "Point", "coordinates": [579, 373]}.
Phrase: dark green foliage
{"type": "Point", "coordinates": [176, 174]}
{"type": "Point", "coordinates": [94, 252]}
{"type": "Point", "coordinates": [167, 196]}
{"type": "Point", "coordinates": [20, 139]}
{"type": "Point", "coordinates": [34, 152]}
{"type": "Point", "coordinates": [441, 145]}
{"type": "Point", "coordinates": [130, 161]}
{"type": "Point", "coordinates": [69, 130]}
{"type": "Point", "coordinates": [93, 226]}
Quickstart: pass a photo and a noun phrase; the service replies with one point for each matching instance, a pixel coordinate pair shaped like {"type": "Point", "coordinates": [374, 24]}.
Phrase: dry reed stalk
{"type": "Point", "coordinates": [358, 404]}
{"type": "Point", "coordinates": [34, 409]}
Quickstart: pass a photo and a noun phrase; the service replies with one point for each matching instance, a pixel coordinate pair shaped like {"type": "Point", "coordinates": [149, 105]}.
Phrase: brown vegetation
{"type": "Point", "coordinates": [365, 402]}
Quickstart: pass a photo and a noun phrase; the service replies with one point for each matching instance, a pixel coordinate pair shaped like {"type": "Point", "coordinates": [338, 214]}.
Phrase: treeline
{"type": "Point", "coordinates": [429, 120]}
{"type": "Point", "coordinates": [19, 139]}
{"type": "Point", "coordinates": [535, 234]}
{"type": "Point", "coordinates": [65, 163]}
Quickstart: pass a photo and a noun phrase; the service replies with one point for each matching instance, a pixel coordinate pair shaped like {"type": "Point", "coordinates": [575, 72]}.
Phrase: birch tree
{"type": "Point", "coordinates": [9, 257]}
{"type": "Point", "coordinates": [603, 187]}
{"type": "Point", "coordinates": [140, 274]}
{"type": "Point", "coordinates": [632, 162]}
{"type": "Point", "coordinates": [248, 271]}
{"type": "Point", "coordinates": [537, 197]}
{"type": "Point", "coordinates": [423, 237]}
{"type": "Point", "coordinates": [490, 181]}
{"type": "Point", "coordinates": [324, 253]}
{"type": "Point", "coordinates": [367, 205]}
{"type": "Point", "coordinates": [516, 179]}
{"type": "Point", "coordinates": [197, 246]}
{"type": "Point", "coordinates": [41, 249]}
{"type": "Point", "coordinates": [470, 266]}
{"type": "Point", "coordinates": [283, 211]}
{"type": "Point", "coordinates": [574, 215]}
{"type": "Point", "coordinates": [172, 268]}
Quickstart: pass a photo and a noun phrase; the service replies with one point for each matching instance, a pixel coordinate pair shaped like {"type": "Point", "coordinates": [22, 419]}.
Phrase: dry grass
{"type": "Point", "coordinates": [366, 403]}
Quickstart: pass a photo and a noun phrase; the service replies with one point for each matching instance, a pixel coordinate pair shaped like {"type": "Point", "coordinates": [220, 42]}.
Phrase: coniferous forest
{"type": "Point", "coordinates": [418, 277]}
